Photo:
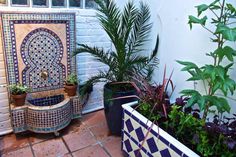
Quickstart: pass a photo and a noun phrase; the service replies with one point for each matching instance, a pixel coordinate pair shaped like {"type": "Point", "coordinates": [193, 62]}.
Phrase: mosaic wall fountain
{"type": "Point", "coordinates": [36, 43]}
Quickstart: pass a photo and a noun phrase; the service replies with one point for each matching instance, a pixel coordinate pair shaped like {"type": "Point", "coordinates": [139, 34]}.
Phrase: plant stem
{"type": "Point", "coordinates": [206, 111]}
{"type": "Point", "coordinates": [220, 45]}
{"type": "Point", "coordinates": [208, 30]}
{"type": "Point", "coordinates": [215, 14]}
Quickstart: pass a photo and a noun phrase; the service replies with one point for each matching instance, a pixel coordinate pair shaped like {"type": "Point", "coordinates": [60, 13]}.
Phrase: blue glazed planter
{"type": "Point", "coordinates": [158, 142]}
{"type": "Point", "coordinates": [113, 108]}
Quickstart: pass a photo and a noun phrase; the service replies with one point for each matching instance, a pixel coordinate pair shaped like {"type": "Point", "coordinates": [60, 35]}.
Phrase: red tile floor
{"type": "Point", "coordinates": [87, 137]}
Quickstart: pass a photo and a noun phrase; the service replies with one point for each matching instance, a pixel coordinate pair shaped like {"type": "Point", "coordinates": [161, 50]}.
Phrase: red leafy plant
{"type": "Point", "coordinates": [154, 98]}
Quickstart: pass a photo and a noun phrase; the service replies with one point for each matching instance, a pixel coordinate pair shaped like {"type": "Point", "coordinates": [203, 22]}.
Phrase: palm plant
{"type": "Point", "coordinates": [128, 30]}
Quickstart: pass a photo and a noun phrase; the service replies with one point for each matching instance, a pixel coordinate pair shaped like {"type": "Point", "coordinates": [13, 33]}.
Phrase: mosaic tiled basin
{"type": "Point", "coordinates": [158, 142]}
{"type": "Point", "coordinates": [45, 115]}
{"type": "Point", "coordinates": [47, 101]}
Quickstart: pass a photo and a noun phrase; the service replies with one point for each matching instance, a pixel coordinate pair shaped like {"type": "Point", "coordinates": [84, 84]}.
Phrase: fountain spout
{"type": "Point", "coordinates": [44, 75]}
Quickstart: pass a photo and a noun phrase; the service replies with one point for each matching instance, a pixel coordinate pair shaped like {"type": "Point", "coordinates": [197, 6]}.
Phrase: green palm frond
{"type": "Point", "coordinates": [109, 17]}
{"type": "Point", "coordinates": [128, 30]}
{"type": "Point", "coordinates": [102, 76]}
{"type": "Point", "coordinates": [140, 32]}
{"type": "Point", "coordinates": [99, 54]}
{"type": "Point", "coordinates": [127, 20]}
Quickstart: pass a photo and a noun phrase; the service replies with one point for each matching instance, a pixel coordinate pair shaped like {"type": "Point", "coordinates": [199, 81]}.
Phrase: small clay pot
{"type": "Point", "coordinates": [19, 100]}
{"type": "Point", "coordinates": [71, 90]}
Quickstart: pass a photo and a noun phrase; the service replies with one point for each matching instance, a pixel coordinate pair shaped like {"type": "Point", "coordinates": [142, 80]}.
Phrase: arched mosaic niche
{"type": "Point", "coordinates": [39, 42]}
{"type": "Point", "coordinates": [42, 51]}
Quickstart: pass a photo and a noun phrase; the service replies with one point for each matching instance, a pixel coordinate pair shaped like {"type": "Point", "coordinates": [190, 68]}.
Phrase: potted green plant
{"type": "Point", "coordinates": [71, 85]}
{"type": "Point", "coordinates": [18, 93]}
{"type": "Point", "coordinates": [128, 30]}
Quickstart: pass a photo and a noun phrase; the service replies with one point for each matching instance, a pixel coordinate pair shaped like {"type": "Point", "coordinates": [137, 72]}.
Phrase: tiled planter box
{"type": "Point", "coordinates": [158, 143]}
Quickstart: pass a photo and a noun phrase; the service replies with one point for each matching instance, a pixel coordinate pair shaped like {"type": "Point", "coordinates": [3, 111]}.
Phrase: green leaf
{"type": "Point", "coordinates": [188, 65]}
{"type": "Point", "coordinates": [194, 78]}
{"type": "Point", "coordinates": [231, 8]}
{"type": "Point", "coordinates": [227, 32]}
{"type": "Point", "coordinates": [228, 66]}
{"type": "Point", "coordinates": [220, 71]}
{"type": "Point", "coordinates": [201, 21]}
{"type": "Point", "coordinates": [201, 103]}
{"type": "Point", "coordinates": [229, 84]}
{"type": "Point", "coordinates": [208, 71]}
{"type": "Point", "coordinates": [192, 101]}
{"type": "Point", "coordinates": [222, 105]}
{"type": "Point", "coordinates": [227, 52]}
{"type": "Point", "coordinates": [214, 6]}
{"type": "Point", "coordinates": [216, 86]}
{"type": "Point", "coordinates": [201, 8]}
{"type": "Point", "coordinates": [213, 3]}
{"type": "Point", "coordinates": [189, 92]}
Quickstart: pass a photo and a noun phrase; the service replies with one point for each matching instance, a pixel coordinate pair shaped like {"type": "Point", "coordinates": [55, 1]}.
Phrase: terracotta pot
{"type": "Point", "coordinates": [19, 100]}
{"type": "Point", "coordinates": [71, 90]}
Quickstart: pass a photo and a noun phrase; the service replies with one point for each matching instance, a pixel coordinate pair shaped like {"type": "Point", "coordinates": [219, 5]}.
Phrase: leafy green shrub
{"type": "Point", "coordinates": [205, 138]}
{"type": "Point", "coordinates": [17, 89]}
{"type": "Point", "coordinates": [71, 80]}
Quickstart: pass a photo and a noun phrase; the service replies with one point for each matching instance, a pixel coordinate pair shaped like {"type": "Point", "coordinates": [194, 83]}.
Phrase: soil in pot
{"type": "Point", "coordinates": [71, 90]}
{"type": "Point", "coordinates": [19, 100]}
{"type": "Point", "coordinates": [113, 108]}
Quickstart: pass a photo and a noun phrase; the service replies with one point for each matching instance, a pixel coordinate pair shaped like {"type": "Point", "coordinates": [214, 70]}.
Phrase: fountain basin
{"type": "Point", "coordinates": [45, 115]}
{"type": "Point", "coordinates": [47, 101]}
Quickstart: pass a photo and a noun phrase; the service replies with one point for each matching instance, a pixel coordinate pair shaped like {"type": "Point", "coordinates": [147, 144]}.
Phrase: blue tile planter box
{"type": "Point", "coordinates": [158, 142]}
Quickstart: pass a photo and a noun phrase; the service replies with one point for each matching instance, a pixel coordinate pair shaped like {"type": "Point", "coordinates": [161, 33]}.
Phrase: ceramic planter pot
{"type": "Point", "coordinates": [71, 90]}
{"type": "Point", "coordinates": [113, 108]}
{"type": "Point", "coordinates": [19, 100]}
{"type": "Point", "coordinates": [158, 142]}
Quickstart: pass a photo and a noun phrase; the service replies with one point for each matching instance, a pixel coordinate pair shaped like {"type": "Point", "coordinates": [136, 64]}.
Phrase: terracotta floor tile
{"type": "Point", "coordinates": [113, 146]}
{"type": "Point", "coordinates": [23, 152]}
{"type": "Point", "coordinates": [79, 140]}
{"type": "Point", "coordinates": [67, 155]}
{"type": "Point", "coordinates": [51, 148]}
{"type": "Point", "coordinates": [92, 151]}
{"type": "Point", "coordinates": [94, 118]}
{"type": "Point", "coordinates": [101, 132]}
{"type": "Point", "coordinates": [36, 138]}
{"type": "Point", "coordinates": [13, 141]}
{"type": "Point", "coordinates": [75, 126]}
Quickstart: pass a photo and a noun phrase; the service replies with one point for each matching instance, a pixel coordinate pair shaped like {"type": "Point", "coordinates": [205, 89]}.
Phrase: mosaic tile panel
{"type": "Point", "coordinates": [43, 48]}
{"type": "Point", "coordinates": [76, 107]}
{"type": "Point", "coordinates": [154, 145]}
{"type": "Point", "coordinates": [19, 116]}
